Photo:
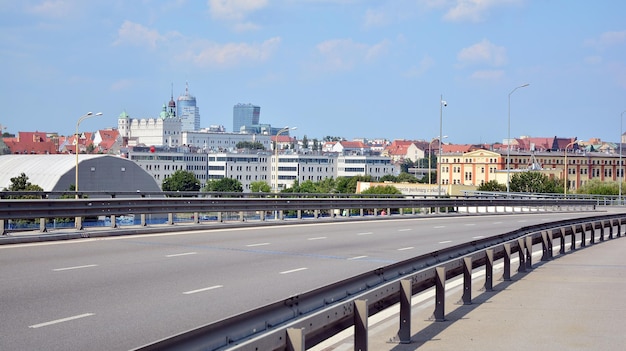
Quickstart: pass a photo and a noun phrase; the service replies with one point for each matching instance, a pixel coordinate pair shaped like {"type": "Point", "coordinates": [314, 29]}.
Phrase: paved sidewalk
{"type": "Point", "coordinates": [574, 302]}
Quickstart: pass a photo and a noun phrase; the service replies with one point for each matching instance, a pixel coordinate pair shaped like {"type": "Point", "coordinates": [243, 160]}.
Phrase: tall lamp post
{"type": "Point", "coordinates": [621, 167]}
{"type": "Point", "coordinates": [508, 142]}
{"type": "Point", "coordinates": [566, 169]}
{"type": "Point", "coordinates": [442, 103]}
{"type": "Point", "coordinates": [78, 221]}
{"type": "Point", "coordinates": [276, 156]}
{"type": "Point", "coordinates": [430, 154]}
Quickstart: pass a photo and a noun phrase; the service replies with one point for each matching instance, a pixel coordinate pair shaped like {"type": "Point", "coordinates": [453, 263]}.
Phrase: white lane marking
{"type": "Point", "coordinates": [521, 221]}
{"type": "Point", "coordinates": [366, 233]}
{"type": "Point", "coordinates": [75, 267]}
{"type": "Point", "coordinates": [293, 270]}
{"type": "Point", "coordinates": [34, 326]}
{"type": "Point", "coordinates": [182, 254]}
{"type": "Point", "coordinates": [259, 244]}
{"type": "Point", "coordinates": [203, 289]}
{"type": "Point", "coordinates": [405, 248]}
{"type": "Point", "coordinates": [356, 257]}
{"type": "Point", "coordinates": [478, 237]}
{"type": "Point", "coordinates": [470, 224]}
{"type": "Point", "coordinates": [445, 242]}
{"type": "Point", "coordinates": [497, 222]}
{"type": "Point", "coordinates": [439, 226]}
{"type": "Point", "coordinates": [404, 230]}
{"type": "Point", "coordinates": [317, 238]}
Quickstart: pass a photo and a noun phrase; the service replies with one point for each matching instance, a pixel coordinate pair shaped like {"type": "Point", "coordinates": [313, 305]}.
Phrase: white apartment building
{"type": "Point", "coordinates": [222, 142]}
{"type": "Point", "coordinates": [263, 166]}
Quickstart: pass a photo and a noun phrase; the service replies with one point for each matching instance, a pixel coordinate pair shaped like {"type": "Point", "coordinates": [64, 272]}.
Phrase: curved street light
{"type": "Point", "coordinates": [566, 169]}
{"type": "Point", "coordinates": [508, 142]}
{"type": "Point", "coordinates": [621, 166]}
{"type": "Point", "coordinates": [442, 103]}
{"type": "Point", "coordinates": [430, 155]}
{"type": "Point", "coordinates": [82, 118]}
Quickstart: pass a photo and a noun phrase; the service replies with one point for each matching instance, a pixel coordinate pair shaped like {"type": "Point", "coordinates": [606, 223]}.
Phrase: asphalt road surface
{"type": "Point", "coordinates": [119, 293]}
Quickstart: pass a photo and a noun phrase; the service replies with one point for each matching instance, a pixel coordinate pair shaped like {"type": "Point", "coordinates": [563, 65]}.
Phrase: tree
{"type": "Point", "coordinates": [21, 183]}
{"type": "Point", "coordinates": [224, 185]}
{"type": "Point", "coordinates": [256, 145]}
{"type": "Point", "coordinates": [260, 187]}
{"type": "Point", "coordinates": [598, 187]}
{"type": "Point", "coordinates": [316, 145]}
{"type": "Point", "coordinates": [181, 181]}
{"type": "Point", "coordinates": [492, 185]}
{"type": "Point", "coordinates": [406, 177]}
{"type": "Point", "coordinates": [382, 189]}
{"type": "Point", "coordinates": [305, 142]}
{"type": "Point", "coordinates": [535, 182]}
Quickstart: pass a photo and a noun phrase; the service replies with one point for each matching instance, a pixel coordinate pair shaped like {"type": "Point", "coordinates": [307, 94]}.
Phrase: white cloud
{"type": "Point", "coordinates": [135, 34]}
{"type": "Point", "coordinates": [52, 8]}
{"type": "Point", "coordinates": [471, 10]}
{"type": "Point", "coordinates": [608, 39]}
{"type": "Point", "coordinates": [483, 53]}
{"type": "Point", "coordinates": [375, 18]}
{"type": "Point", "coordinates": [344, 54]}
{"type": "Point", "coordinates": [228, 55]}
{"type": "Point", "coordinates": [424, 65]}
{"type": "Point", "coordinates": [122, 84]}
{"type": "Point", "coordinates": [234, 10]}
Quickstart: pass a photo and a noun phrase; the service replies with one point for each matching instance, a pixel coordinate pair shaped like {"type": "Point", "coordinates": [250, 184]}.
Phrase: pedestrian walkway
{"type": "Point", "coordinates": [574, 302]}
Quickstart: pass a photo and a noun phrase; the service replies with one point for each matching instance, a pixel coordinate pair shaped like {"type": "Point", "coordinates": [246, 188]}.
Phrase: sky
{"type": "Point", "coordinates": [348, 68]}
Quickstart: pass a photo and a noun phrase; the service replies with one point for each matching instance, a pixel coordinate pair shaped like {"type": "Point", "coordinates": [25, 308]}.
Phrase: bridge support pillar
{"type": "Point", "coordinates": [506, 276]}
{"type": "Point", "coordinates": [466, 299]}
{"type": "Point", "coordinates": [295, 339]}
{"type": "Point", "coordinates": [360, 325]}
{"type": "Point", "coordinates": [440, 294]}
{"type": "Point", "coordinates": [404, 333]}
{"type": "Point", "coordinates": [42, 225]}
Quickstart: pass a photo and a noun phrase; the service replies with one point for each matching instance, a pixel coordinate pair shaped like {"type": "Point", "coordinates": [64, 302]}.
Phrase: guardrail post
{"type": "Point", "coordinates": [196, 218]}
{"type": "Point", "coordinates": [489, 270]}
{"type": "Point", "coordinates": [529, 252]}
{"type": "Point", "coordinates": [78, 223]}
{"type": "Point", "coordinates": [316, 214]}
{"type": "Point", "coordinates": [219, 217]}
{"type": "Point", "coordinates": [113, 221]}
{"type": "Point", "coordinates": [262, 215]}
{"type": "Point", "coordinates": [467, 281]}
{"type": "Point", "coordinates": [506, 276]}
{"type": "Point", "coordinates": [2, 225]}
{"type": "Point", "coordinates": [42, 225]}
{"type": "Point", "coordinates": [241, 216]}
{"type": "Point", "coordinates": [593, 233]}
{"type": "Point", "coordinates": [170, 218]}
{"type": "Point", "coordinates": [360, 325]}
{"type": "Point", "coordinates": [521, 255]}
{"type": "Point", "coordinates": [546, 245]}
{"type": "Point", "coordinates": [583, 240]}
{"type": "Point", "coordinates": [440, 294]}
{"type": "Point", "coordinates": [602, 230]}
{"type": "Point", "coordinates": [404, 334]}
{"type": "Point", "coordinates": [611, 226]}
{"type": "Point", "coordinates": [562, 238]}
{"type": "Point", "coordinates": [619, 227]}
{"type": "Point", "coordinates": [299, 214]}
{"type": "Point", "coordinates": [361, 212]}
{"type": "Point", "coordinates": [295, 339]}
{"type": "Point", "coordinates": [143, 220]}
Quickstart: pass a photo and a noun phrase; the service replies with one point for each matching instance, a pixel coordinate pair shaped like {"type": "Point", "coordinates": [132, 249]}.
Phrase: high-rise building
{"type": "Point", "coordinates": [187, 111]}
{"type": "Point", "coordinates": [245, 115]}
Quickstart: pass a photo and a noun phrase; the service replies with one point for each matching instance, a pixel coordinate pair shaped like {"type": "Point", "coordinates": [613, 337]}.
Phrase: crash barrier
{"type": "Point", "coordinates": [302, 321]}
{"type": "Point", "coordinates": [44, 210]}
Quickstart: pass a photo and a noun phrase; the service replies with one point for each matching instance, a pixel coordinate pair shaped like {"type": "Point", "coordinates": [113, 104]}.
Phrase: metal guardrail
{"type": "Point", "coordinates": [302, 321]}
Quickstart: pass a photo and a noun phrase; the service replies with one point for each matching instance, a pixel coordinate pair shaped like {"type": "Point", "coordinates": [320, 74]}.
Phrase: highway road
{"type": "Point", "coordinates": [118, 293]}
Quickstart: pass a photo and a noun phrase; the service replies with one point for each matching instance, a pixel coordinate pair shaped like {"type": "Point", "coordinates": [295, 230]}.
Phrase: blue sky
{"type": "Point", "coordinates": [349, 68]}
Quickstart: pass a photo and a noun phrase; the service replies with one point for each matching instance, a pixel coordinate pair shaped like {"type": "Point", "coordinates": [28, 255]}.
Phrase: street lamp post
{"type": "Point", "coordinates": [508, 142]}
{"type": "Point", "coordinates": [621, 167]}
{"type": "Point", "coordinates": [566, 169]}
{"type": "Point", "coordinates": [82, 118]}
{"type": "Point", "coordinates": [276, 155]}
{"type": "Point", "coordinates": [442, 103]}
{"type": "Point", "coordinates": [430, 155]}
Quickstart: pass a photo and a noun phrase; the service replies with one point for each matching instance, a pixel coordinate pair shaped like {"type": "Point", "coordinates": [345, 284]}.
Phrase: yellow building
{"type": "Point", "coordinates": [477, 167]}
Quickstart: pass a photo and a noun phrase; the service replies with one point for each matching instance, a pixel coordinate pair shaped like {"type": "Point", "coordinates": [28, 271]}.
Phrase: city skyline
{"type": "Point", "coordinates": [355, 69]}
